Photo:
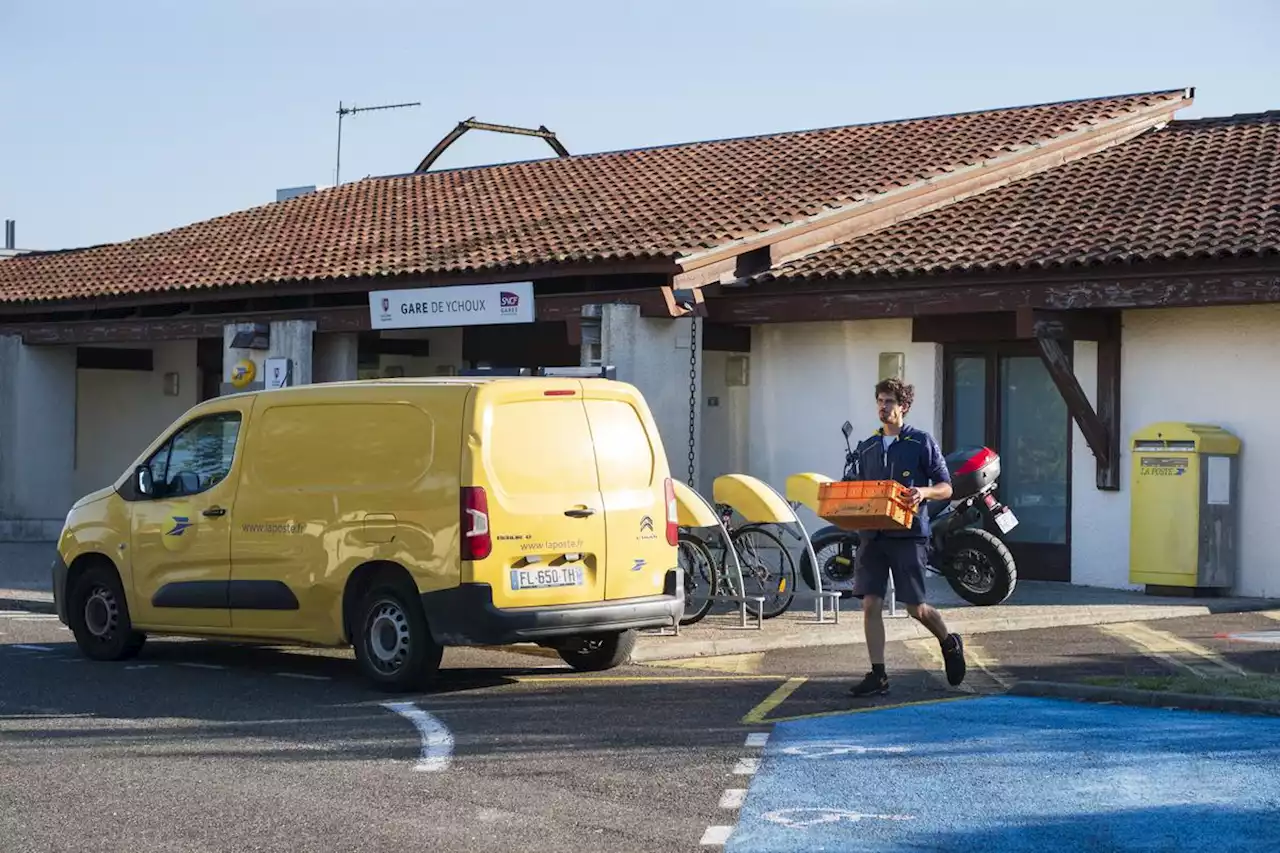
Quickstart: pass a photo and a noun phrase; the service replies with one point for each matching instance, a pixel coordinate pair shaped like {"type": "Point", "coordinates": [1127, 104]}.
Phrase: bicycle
{"type": "Point", "coordinates": [708, 568]}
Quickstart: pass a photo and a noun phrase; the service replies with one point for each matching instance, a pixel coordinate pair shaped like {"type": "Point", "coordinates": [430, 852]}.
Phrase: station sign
{"type": "Point", "coordinates": [464, 305]}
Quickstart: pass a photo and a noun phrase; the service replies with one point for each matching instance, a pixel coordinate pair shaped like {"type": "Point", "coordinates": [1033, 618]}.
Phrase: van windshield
{"type": "Point", "coordinates": [542, 446]}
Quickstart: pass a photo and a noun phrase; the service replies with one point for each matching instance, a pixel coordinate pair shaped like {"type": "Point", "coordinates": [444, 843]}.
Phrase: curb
{"type": "Point", "coordinates": [1148, 698]}
{"type": "Point", "coordinates": [33, 602]}
{"type": "Point", "coordinates": [849, 633]}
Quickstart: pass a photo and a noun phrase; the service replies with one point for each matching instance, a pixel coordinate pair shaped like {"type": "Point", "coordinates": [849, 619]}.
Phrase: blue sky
{"type": "Point", "coordinates": [121, 119]}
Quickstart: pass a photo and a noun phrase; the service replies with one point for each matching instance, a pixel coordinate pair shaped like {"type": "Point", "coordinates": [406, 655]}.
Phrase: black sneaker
{"type": "Point", "coordinates": [953, 657]}
{"type": "Point", "coordinates": [872, 685]}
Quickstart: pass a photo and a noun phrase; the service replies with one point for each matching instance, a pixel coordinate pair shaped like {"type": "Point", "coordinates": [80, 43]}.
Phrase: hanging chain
{"type": "Point", "coordinates": [693, 394]}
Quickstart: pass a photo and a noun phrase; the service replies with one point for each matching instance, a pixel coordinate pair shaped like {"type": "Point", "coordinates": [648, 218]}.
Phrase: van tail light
{"type": "Point", "coordinates": [476, 541]}
{"type": "Point", "coordinates": [673, 520]}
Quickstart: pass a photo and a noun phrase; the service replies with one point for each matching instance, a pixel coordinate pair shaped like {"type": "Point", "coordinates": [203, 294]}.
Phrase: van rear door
{"type": "Point", "coordinates": [634, 486]}
{"type": "Point", "coordinates": [546, 518]}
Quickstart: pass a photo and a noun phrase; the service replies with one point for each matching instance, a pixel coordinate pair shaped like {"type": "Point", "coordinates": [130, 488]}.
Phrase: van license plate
{"type": "Point", "coordinates": [547, 578]}
{"type": "Point", "coordinates": [1006, 521]}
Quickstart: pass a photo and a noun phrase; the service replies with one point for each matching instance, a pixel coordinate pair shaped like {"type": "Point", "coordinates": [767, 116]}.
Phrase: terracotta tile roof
{"type": "Point", "coordinates": [642, 204]}
{"type": "Point", "coordinates": [1207, 188]}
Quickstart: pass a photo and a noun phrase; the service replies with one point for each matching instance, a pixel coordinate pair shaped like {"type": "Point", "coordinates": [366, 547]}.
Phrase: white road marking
{"type": "Point", "coordinates": [31, 648]}
{"type": "Point", "coordinates": [822, 750]}
{"type": "Point", "coordinates": [304, 676]}
{"type": "Point", "coordinates": [203, 665]}
{"type": "Point", "coordinates": [716, 836]}
{"type": "Point", "coordinates": [143, 666]}
{"type": "Point", "coordinates": [733, 798]}
{"type": "Point", "coordinates": [757, 739]}
{"type": "Point", "coordinates": [746, 766]}
{"type": "Point", "coordinates": [804, 818]}
{"type": "Point", "coordinates": [437, 740]}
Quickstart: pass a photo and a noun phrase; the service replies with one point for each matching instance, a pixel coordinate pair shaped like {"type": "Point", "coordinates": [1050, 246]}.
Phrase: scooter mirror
{"type": "Point", "coordinates": [847, 429]}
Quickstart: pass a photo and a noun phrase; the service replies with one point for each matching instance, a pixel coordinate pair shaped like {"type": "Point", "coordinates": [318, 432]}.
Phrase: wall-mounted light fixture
{"type": "Point", "coordinates": [893, 365]}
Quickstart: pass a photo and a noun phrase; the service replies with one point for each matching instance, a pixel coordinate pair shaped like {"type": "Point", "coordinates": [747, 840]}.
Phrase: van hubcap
{"type": "Point", "coordinates": [101, 613]}
{"type": "Point", "coordinates": [388, 636]}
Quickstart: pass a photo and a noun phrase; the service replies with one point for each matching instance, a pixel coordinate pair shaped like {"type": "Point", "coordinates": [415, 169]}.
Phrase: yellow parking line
{"type": "Point", "coordinates": [1173, 650]}
{"type": "Point", "coordinates": [737, 664]}
{"type": "Point", "coordinates": [1272, 614]}
{"type": "Point", "coordinates": [533, 651]}
{"type": "Point", "coordinates": [638, 679]}
{"type": "Point", "coordinates": [869, 709]}
{"type": "Point", "coordinates": [757, 714]}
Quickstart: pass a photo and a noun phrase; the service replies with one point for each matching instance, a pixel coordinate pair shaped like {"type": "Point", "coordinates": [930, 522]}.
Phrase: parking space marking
{"type": "Point", "coordinates": [1173, 650]}
{"type": "Point", "coordinates": [733, 798]}
{"type": "Point", "coordinates": [737, 664]}
{"type": "Point", "coordinates": [716, 836]}
{"type": "Point", "coordinates": [437, 740]}
{"type": "Point", "coordinates": [304, 676]}
{"type": "Point", "coordinates": [31, 648]}
{"type": "Point", "coordinates": [143, 666]}
{"type": "Point", "coordinates": [640, 679]}
{"type": "Point", "coordinates": [201, 665]}
{"type": "Point", "coordinates": [757, 714]}
{"type": "Point", "coordinates": [746, 767]}
{"type": "Point", "coordinates": [757, 739]}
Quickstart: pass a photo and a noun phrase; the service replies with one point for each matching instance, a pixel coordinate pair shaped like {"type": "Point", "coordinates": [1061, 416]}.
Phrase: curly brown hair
{"type": "Point", "coordinates": [902, 392]}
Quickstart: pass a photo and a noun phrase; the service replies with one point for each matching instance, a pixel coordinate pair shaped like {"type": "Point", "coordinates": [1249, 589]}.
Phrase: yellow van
{"type": "Point", "coordinates": [395, 516]}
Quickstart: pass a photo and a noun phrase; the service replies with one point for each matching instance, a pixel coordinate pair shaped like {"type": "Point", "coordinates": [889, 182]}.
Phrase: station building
{"type": "Point", "coordinates": [1051, 278]}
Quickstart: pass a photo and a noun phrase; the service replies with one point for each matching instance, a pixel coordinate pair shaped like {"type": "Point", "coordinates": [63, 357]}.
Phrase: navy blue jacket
{"type": "Point", "coordinates": [915, 459]}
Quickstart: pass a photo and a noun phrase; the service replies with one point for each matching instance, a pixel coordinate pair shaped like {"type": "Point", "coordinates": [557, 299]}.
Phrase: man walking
{"type": "Point", "coordinates": [911, 457]}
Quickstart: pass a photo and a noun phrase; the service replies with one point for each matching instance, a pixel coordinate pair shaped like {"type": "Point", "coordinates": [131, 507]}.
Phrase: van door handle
{"type": "Point", "coordinates": [585, 512]}
{"type": "Point", "coordinates": [214, 512]}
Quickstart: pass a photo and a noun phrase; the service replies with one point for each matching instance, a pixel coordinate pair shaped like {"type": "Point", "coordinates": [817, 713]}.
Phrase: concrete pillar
{"type": "Point", "coordinates": [653, 354]}
{"type": "Point", "coordinates": [290, 339]}
{"type": "Point", "coordinates": [336, 356]}
{"type": "Point", "coordinates": [37, 439]}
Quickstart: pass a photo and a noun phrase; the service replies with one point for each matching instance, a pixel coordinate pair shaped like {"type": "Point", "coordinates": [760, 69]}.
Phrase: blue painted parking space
{"type": "Point", "coordinates": [1002, 774]}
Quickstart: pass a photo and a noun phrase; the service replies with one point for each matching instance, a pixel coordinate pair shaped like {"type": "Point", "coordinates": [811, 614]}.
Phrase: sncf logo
{"type": "Point", "coordinates": [508, 303]}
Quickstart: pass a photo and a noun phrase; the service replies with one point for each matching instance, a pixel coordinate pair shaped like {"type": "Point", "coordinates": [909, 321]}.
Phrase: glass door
{"type": "Point", "coordinates": [1001, 396]}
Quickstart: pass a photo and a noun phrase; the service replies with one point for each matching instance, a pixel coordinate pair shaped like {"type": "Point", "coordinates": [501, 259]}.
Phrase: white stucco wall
{"type": "Point", "coordinates": [1209, 365]}
{"type": "Point", "coordinates": [444, 346]}
{"type": "Point", "coordinates": [119, 412]}
{"type": "Point", "coordinates": [37, 419]}
{"type": "Point", "coordinates": [808, 378]}
{"type": "Point", "coordinates": [653, 354]}
{"type": "Point", "coordinates": [724, 442]}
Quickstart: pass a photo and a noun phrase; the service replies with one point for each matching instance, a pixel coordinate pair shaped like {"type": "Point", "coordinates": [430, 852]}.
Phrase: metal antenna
{"type": "Point", "coordinates": [345, 111]}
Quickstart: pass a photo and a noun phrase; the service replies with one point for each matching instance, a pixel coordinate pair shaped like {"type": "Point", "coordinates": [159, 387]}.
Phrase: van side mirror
{"type": "Point", "coordinates": [142, 478]}
{"type": "Point", "coordinates": [847, 429]}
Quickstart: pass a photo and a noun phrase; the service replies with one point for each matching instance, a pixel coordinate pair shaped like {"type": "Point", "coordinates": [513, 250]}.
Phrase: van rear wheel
{"type": "Point", "coordinates": [596, 652]}
{"type": "Point", "coordinates": [393, 644]}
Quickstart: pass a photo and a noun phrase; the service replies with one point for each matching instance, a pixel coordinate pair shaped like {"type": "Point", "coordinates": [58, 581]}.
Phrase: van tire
{"type": "Point", "coordinates": [394, 647]}
{"type": "Point", "coordinates": [602, 651]}
{"type": "Point", "coordinates": [98, 615]}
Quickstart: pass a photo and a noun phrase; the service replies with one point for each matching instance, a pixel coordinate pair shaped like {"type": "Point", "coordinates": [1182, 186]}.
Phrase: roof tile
{"type": "Point", "coordinates": [1205, 188]}
{"type": "Point", "coordinates": [640, 204]}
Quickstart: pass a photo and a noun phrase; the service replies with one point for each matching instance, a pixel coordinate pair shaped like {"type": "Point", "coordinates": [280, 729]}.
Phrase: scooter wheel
{"type": "Point", "coordinates": [978, 566]}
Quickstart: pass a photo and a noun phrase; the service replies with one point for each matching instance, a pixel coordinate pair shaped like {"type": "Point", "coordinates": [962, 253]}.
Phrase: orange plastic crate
{"type": "Point", "coordinates": [866, 505]}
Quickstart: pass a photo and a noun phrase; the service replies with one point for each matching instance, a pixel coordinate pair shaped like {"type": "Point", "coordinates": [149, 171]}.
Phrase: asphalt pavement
{"type": "Point", "coordinates": [204, 746]}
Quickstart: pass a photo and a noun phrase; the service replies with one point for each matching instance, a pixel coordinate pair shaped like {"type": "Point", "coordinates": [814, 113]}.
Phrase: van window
{"type": "Point", "coordinates": [341, 446]}
{"type": "Point", "coordinates": [541, 446]}
{"type": "Point", "coordinates": [623, 451]}
{"type": "Point", "coordinates": [197, 458]}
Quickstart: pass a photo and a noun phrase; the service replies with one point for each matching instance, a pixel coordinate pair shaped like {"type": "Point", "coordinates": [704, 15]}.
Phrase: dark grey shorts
{"type": "Point", "coordinates": [905, 558]}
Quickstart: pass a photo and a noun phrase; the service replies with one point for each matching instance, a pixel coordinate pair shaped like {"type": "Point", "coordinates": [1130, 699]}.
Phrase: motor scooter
{"type": "Point", "coordinates": [964, 544]}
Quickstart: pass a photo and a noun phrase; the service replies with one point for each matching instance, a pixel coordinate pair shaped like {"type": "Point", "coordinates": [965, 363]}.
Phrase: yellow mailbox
{"type": "Point", "coordinates": [1184, 518]}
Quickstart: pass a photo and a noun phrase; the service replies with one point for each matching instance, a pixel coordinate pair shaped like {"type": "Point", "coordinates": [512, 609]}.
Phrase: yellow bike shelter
{"type": "Point", "coordinates": [693, 511]}
{"type": "Point", "coordinates": [802, 490]}
{"type": "Point", "coordinates": [759, 503]}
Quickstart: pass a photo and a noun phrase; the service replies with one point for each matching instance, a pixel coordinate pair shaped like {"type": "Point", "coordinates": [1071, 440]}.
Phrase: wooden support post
{"type": "Point", "coordinates": [1101, 428]}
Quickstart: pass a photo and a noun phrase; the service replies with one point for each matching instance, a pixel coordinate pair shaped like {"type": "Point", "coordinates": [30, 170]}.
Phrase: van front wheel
{"type": "Point", "coordinates": [393, 645]}
{"type": "Point", "coordinates": [596, 652]}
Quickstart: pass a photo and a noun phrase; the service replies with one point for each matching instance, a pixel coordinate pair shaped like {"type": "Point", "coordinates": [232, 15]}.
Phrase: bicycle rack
{"type": "Point", "coordinates": [694, 511]}
{"type": "Point", "coordinates": [760, 503]}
